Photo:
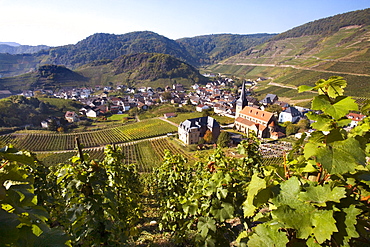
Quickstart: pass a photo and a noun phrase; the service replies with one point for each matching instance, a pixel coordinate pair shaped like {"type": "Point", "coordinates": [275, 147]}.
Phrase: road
{"type": "Point", "coordinates": [294, 67]}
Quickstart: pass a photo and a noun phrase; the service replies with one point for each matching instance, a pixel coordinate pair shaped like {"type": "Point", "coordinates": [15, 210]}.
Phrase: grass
{"type": "Point", "coordinates": [117, 117]}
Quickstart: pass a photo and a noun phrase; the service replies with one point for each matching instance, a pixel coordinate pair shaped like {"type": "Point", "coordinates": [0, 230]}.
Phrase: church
{"type": "Point", "coordinates": [248, 119]}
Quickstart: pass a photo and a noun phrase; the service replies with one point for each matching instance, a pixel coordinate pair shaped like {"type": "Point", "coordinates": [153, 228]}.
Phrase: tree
{"type": "Point", "coordinates": [167, 95]}
{"type": "Point", "coordinates": [291, 129]}
{"type": "Point", "coordinates": [223, 139]}
{"type": "Point", "coordinates": [276, 109]}
{"type": "Point", "coordinates": [303, 124]}
{"type": "Point", "coordinates": [43, 108]}
{"type": "Point", "coordinates": [53, 125]}
{"type": "Point", "coordinates": [208, 136]}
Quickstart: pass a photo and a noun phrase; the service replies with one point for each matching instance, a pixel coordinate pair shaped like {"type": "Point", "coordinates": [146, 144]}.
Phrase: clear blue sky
{"type": "Point", "coordinates": [62, 22]}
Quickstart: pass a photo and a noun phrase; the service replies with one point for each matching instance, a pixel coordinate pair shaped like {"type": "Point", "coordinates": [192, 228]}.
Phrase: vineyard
{"type": "Point", "coordinates": [57, 142]}
{"type": "Point", "coordinates": [146, 154]}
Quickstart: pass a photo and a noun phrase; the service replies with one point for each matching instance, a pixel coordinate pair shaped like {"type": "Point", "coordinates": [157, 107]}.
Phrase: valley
{"type": "Point", "coordinates": [215, 140]}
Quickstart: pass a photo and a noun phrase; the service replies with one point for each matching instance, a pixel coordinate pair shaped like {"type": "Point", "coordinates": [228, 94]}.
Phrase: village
{"type": "Point", "coordinates": [220, 96]}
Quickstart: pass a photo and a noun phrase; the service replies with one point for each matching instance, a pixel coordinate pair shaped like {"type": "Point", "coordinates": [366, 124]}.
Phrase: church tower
{"type": "Point", "coordinates": [241, 102]}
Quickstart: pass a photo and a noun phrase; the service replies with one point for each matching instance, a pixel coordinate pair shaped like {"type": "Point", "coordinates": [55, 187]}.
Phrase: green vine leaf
{"type": "Point", "coordinates": [334, 86]}
{"type": "Point", "coordinates": [338, 157]}
{"type": "Point", "coordinates": [351, 221]}
{"type": "Point", "coordinates": [298, 218]}
{"type": "Point", "coordinates": [267, 236]}
{"type": "Point", "coordinates": [321, 122]}
{"type": "Point", "coordinates": [206, 224]}
{"type": "Point", "coordinates": [320, 194]}
{"type": "Point", "coordinates": [257, 184]}
{"type": "Point", "coordinates": [324, 225]}
{"type": "Point", "coordinates": [336, 109]}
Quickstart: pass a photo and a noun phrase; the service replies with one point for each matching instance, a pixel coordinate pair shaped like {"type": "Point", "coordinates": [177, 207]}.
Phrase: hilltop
{"type": "Point", "coordinates": [142, 68]}
{"type": "Point", "coordinates": [337, 45]}
{"type": "Point", "coordinates": [195, 51]}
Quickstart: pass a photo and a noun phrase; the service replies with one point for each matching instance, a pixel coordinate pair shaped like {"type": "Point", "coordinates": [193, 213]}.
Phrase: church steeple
{"type": "Point", "coordinates": [242, 101]}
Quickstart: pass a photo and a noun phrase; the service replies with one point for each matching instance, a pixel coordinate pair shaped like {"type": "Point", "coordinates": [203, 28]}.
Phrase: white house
{"type": "Point", "coordinates": [201, 108]}
{"type": "Point", "coordinates": [92, 113]}
{"type": "Point", "coordinates": [355, 119]}
{"type": "Point", "coordinates": [71, 117]}
{"type": "Point", "coordinates": [290, 114]}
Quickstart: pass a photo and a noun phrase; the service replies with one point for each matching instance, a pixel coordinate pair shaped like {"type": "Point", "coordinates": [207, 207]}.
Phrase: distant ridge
{"type": "Point", "coordinates": [329, 25]}
{"type": "Point", "coordinates": [21, 49]}
{"type": "Point", "coordinates": [10, 43]}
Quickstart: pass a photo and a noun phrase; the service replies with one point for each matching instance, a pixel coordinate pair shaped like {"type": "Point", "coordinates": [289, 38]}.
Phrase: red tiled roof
{"type": "Point", "coordinates": [256, 113]}
{"type": "Point", "coordinates": [355, 116]}
{"type": "Point", "coordinates": [244, 121]}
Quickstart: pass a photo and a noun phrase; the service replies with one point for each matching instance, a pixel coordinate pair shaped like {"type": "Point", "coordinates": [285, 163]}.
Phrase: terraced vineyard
{"type": "Point", "coordinates": [146, 154]}
{"type": "Point", "coordinates": [57, 142]}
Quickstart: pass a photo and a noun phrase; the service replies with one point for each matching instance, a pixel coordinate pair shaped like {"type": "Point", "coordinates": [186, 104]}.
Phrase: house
{"type": "Point", "coordinates": [178, 87]}
{"type": "Point", "coordinates": [71, 117]}
{"type": "Point", "coordinates": [142, 106]}
{"type": "Point", "coordinates": [355, 119]}
{"type": "Point", "coordinates": [290, 114]}
{"type": "Point", "coordinates": [50, 121]}
{"type": "Point", "coordinates": [93, 112]}
{"type": "Point", "coordinates": [192, 130]}
{"type": "Point", "coordinates": [269, 99]}
{"type": "Point", "coordinates": [169, 115]}
{"type": "Point", "coordinates": [201, 108]}
{"type": "Point", "coordinates": [263, 123]}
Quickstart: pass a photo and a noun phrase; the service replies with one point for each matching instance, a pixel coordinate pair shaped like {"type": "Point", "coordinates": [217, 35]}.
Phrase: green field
{"type": "Point", "coordinates": [146, 154]}
{"type": "Point", "coordinates": [54, 142]}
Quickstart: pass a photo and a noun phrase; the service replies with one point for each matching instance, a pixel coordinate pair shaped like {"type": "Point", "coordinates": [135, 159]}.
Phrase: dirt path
{"type": "Point", "coordinates": [294, 67]}
{"type": "Point", "coordinates": [282, 85]}
{"type": "Point", "coordinates": [168, 121]}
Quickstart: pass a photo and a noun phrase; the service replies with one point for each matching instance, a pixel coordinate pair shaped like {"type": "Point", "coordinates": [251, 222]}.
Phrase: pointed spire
{"type": "Point", "coordinates": [242, 101]}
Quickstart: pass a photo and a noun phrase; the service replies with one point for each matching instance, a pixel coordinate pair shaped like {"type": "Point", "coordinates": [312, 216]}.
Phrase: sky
{"type": "Point", "coordinates": [63, 22]}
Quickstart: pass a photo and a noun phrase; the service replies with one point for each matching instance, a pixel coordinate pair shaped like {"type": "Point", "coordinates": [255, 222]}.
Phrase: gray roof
{"type": "Point", "coordinates": [293, 111]}
{"type": "Point", "coordinates": [199, 122]}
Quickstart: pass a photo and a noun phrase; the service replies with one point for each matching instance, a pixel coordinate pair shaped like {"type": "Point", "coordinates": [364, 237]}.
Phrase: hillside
{"type": "Point", "coordinates": [207, 49]}
{"type": "Point", "coordinates": [45, 77]}
{"type": "Point", "coordinates": [195, 51]}
{"type": "Point", "coordinates": [110, 46]}
{"type": "Point", "coordinates": [140, 69]}
{"type": "Point", "coordinates": [296, 58]}
{"type": "Point", "coordinates": [143, 68]}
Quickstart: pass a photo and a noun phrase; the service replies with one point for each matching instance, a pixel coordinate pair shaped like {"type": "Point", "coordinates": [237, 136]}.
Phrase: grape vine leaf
{"type": "Point", "coordinates": [286, 193]}
{"type": "Point", "coordinates": [323, 123]}
{"type": "Point", "coordinates": [337, 109]}
{"type": "Point", "coordinates": [320, 194]}
{"type": "Point", "coordinates": [8, 221]}
{"type": "Point", "coordinates": [206, 224]}
{"type": "Point", "coordinates": [267, 235]}
{"type": "Point", "coordinates": [257, 184]}
{"type": "Point", "coordinates": [351, 221]}
{"type": "Point", "coordinates": [225, 212]}
{"type": "Point", "coordinates": [338, 157]}
{"type": "Point", "coordinates": [324, 225]}
{"type": "Point", "coordinates": [298, 218]}
{"type": "Point", "coordinates": [334, 86]}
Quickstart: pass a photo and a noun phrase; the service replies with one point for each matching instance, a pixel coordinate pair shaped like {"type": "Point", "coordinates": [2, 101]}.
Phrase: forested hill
{"type": "Point", "coordinates": [329, 25]}
{"type": "Point", "coordinates": [208, 49]}
{"type": "Point", "coordinates": [139, 68]}
{"type": "Point", "coordinates": [196, 51]}
{"type": "Point", "coordinates": [110, 46]}
{"type": "Point", "coordinates": [127, 69]}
